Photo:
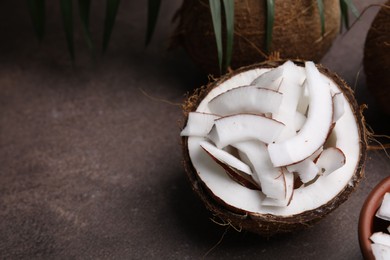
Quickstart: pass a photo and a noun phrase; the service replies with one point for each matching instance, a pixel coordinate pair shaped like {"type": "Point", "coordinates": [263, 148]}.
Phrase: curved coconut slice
{"type": "Point", "coordinates": [307, 170]}
{"type": "Point", "coordinates": [338, 106]}
{"type": "Point", "coordinates": [380, 252]}
{"type": "Point", "coordinates": [235, 168]}
{"type": "Point", "coordinates": [198, 124]}
{"type": "Point", "coordinates": [289, 182]}
{"type": "Point", "coordinates": [330, 160]}
{"type": "Point", "coordinates": [384, 210]}
{"type": "Point", "coordinates": [380, 238]}
{"type": "Point", "coordinates": [246, 99]}
{"type": "Point", "coordinates": [271, 179]}
{"type": "Point", "coordinates": [242, 127]}
{"type": "Point", "coordinates": [270, 79]}
{"type": "Point", "coordinates": [315, 131]}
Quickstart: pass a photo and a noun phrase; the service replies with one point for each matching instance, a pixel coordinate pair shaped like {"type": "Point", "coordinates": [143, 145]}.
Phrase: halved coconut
{"type": "Point", "coordinates": [301, 206]}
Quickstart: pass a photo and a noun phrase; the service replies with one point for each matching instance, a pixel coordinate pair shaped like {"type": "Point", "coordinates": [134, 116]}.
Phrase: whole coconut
{"type": "Point", "coordinates": [377, 58]}
{"type": "Point", "coordinates": [296, 32]}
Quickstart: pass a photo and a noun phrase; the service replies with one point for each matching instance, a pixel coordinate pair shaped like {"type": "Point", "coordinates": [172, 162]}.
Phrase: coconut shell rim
{"type": "Point", "coordinates": [269, 224]}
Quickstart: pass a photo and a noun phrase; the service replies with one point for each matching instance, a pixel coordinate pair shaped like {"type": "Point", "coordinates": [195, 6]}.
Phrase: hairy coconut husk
{"type": "Point", "coordinates": [267, 224]}
{"type": "Point", "coordinates": [296, 32]}
{"type": "Point", "coordinates": [377, 58]}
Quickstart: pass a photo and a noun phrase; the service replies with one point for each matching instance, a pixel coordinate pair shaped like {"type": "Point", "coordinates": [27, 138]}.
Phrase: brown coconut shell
{"type": "Point", "coordinates": [268, 224]}
{"type": "Point", "coordinates": [296, 32]}
{"type": "Point", "coordinates": [377, 58]}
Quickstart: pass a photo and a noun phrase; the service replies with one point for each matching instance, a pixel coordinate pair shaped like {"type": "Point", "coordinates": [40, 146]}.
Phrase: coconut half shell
{"type": "Point", "coordinates": [268, 224]}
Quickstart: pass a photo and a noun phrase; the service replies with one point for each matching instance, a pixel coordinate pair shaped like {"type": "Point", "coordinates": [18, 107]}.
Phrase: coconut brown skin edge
{"type": "Point", "coordinates": [267, 224]}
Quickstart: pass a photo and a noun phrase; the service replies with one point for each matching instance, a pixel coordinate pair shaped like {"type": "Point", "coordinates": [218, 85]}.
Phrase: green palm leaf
{"type": "Point", "coordinates": [215, 8]}
{"type": "Point", "coordinates": [37, 13]}
{"type": "Point", "coordinates": [111, 11]}
{"type": "Point", "coordinates": [153, 10]}
{"type": "Point", "coordinates": [67, 18]}
{"type": "Point", "coordinates": [345, 5]}
{"type": "Point", "coordinates": [320, 5]}
{"type": "Point", "coordinates": [84, 9]}
{"type": "Point", "coordinates": [229, 15]}
{"type": "Point", "coordinates": [270, 24]}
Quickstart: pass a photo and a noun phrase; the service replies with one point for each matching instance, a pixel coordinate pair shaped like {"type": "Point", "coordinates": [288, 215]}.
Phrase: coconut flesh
{"type": "Point", "coordinates": [301, 147]}
{"type": "Point", "coordinates": [381, 240]}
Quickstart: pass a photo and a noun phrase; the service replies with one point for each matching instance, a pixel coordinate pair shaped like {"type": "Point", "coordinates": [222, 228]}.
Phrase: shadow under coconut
{"type": "Point", "coordinates": [197, 222]}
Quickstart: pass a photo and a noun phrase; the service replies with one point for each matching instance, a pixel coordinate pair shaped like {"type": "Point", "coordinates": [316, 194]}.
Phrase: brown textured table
{"type": "Point", "coordinates": [90, 166]}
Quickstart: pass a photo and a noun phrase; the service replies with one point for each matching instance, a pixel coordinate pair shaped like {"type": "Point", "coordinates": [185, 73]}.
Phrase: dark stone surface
{"type": "Point", "coordinates": [90, 165]}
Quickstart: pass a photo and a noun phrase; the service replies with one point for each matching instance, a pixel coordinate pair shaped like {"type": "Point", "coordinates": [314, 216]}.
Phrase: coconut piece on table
{"type": "Point", "coordinates": [236, 169]}
{"type": "Point", "coordinates": [315, 131]}
{"type": "Point", "coordinates": [246, 99]}
{"type": "Point", "coordinates": [384, 210]}
{"type": "Point", "coordinates": [380, 238]}
{"type": "Point", "coordinates": [330, 160]}
{"type": "Point", "coordinates": [199, 124]}
{"type": "Point", "coordinates": [242, 127]}
{"type": "Point", "coordinates": [380, 252]}
{"type": "Point", "coordinates": [271, 179]}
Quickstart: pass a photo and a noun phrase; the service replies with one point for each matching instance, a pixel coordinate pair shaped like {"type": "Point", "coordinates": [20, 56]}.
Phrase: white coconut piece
{"type": "Point", "coordinates": [380, 238]}
{"type": "Point", "coordinates": [307, 170]}
{"type": "Point", "coordinates": [380, 252]}
{"type": "Point", "coordinates": [303, 103]}
{"type": "Point", "coordinates": [338, 106]}
{"type": "Point", "coordinates": [246, 99]}
{"type": "Point", "coordinates": [299, 121]}
{"type": "Point", "coordinates": [315, 131]}
{"type": "Point", "coordinates": [289, 180]}
{"type": "Point", "coordinates": [242, 127]}
{"type": "Point", "coordinates": [330, 160]}
{"type": "Point", "coordinates": [270, 79]}
{"type": "Point", "coordinates": [199, 124]}
{"type": "Point", "coordinates": [271, 179]}
{"type": "Point", "coordinates": [236, 169]}
{"type": "Point", "coordinates": [291, 88]}
{"type": "Point", "coordinates": [226, 157]}
{"type": "Point", "coordinates": [384, 210]}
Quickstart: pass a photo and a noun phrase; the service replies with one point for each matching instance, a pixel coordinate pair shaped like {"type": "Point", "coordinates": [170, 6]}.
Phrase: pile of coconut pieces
{"type": "Point", "coordinates": [381, 240]}
{"type": "Point", "coordinates": [271, 135]}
